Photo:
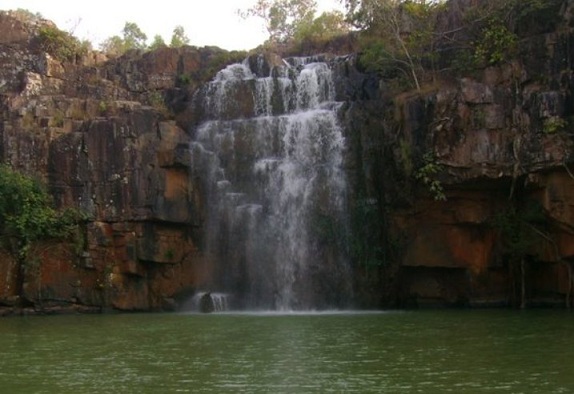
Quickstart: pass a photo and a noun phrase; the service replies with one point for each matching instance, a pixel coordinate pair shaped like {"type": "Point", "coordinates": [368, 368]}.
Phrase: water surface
{"type": "Point", "coordinates": [390, 352]}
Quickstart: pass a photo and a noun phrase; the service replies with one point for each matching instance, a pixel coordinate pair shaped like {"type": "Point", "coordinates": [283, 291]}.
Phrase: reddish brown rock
{"type": "Point", "coordinates": [111, 138]}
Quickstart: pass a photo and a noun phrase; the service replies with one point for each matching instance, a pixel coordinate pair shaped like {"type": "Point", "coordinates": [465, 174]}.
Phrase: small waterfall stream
{"type": "Point", "coordinates": [270, 157]}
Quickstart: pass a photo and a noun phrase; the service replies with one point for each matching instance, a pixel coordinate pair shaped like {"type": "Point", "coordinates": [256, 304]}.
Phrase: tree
{"type": "Point", "coordinates": [178, 38]}
{"type": "Point", "coordinates": [401, 33]}
{"type": "Point", "coordinates": [157, 42]}
{"type": "Point", "coordinates": [282, 17]}
{"type": "Point", "coordinates": [27, 216]}
{"type": "Point", "coordinates": [132, 38]}
{"type": "Point", "coordinates": [327, 25]}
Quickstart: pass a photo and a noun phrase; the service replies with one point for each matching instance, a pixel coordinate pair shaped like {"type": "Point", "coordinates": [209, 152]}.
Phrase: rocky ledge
{"type": "Point", "coordinates": [465, 188]}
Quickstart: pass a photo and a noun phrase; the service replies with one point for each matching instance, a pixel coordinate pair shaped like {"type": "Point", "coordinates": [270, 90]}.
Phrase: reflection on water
{"type": "Point", "coordinates": [393, 352]}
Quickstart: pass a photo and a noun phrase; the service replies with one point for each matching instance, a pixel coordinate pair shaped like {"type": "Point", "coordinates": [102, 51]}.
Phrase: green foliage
{"type": "Point", "coordinates": [26, 213]}
{"type": "Point", "coordinates": [375, 14]}
{"type": "Point", "coordinates": [375, 57]}
{"type": "Point", "coordinates": [103, 107]}
{"type": "Point", "coordinates": [495, 45]}
{"type": "Point", "coordinates": [415, 40]}
{"type": "Point", "coordinates": [58, 119]}
{"type": "Point", "coordinates": [60, 44]}
{"type": "Point", "coordinates": [179, 38]}
{"type": "Point", "coordinates": [169, 254]}
{"type": "Point", "coordinates": [157, 42]}
{"type": "Point", "coordinates": [157, 101]}
{"type": "Point", "coordinates": [132, 38]}
{"type": "Point", "coordinates": [113, 46]}
{"type": "Point", "coordinates": [183, 80]}
{"type": "Point", "coordinates": [398, 36]}
{"type": "Point", "coordinates": [322, 28]}
{"type": "Point", "coordinates": [282, 18]}
{"type": "Point", "coordinates": [554, 125]}
{"type": "Point", "coordinates": [427, 175]}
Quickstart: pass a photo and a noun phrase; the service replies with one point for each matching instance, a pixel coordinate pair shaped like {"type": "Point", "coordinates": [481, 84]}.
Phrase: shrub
{"type": "Point", "coordinates": [27, 215]}
{"type": "Point", "coordinates": [60, 44]}
{"type": "Point", "coordinates": [427, 175]}
{"type": "Point", "coordinates": [553, 125]}
{"type": "Point", "coordinates": [495, 45]}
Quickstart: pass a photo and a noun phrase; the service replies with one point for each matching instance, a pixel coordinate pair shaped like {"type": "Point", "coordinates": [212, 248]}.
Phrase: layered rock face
{"type": "Point", "coordinates": [499, 144]}
{"type": "Point", "coordinates": [97, 132]}
{"type": "Point", "coordinates": [112, 137]}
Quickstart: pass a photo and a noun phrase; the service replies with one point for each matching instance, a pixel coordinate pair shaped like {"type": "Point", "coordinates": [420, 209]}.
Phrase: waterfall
{"type": "Point", "coordinates": [210, 302]}
{"type": "Point", "coordinates": [269, 159]}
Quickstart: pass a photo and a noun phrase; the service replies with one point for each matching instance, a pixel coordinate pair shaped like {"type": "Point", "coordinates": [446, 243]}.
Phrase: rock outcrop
{"type": "Point", "coordinates": [111, 137]}
{"type": "Point", "coordinates": [103, 135]}
{"type": "Point", "coordinates": [498, 143]}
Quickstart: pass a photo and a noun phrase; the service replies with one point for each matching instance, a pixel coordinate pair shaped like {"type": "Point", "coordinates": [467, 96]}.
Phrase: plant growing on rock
{"type": "Point", "coordinates": [322, 28]}
{"type": "Point", "coordinates": [61, 45]}
{"type": "Point", "coordinates": [157, 42]}
{"type": "Point", "coordinates": [27, 216]}
{"type": "Point", "coordinates": [427, 175]}
{"type": "Point", "coordinates": [399, 35]}
{"type": "Point", "coordinates": [157, 101]}
{"type": "Point", "coordinates": [58, 119]}
{"type": "Point", "coordinates": [132, 38]}
{"type": "Point", "coordinates": [554, 125]}
{"type": "Point", "coordinates": [495, 45]}
{"type": "Point", "coordinates": [103, 107]}
{"type": "Point", "coordinates": [179, 38]}
{"type": "Point", "coordinates": [282, 17]}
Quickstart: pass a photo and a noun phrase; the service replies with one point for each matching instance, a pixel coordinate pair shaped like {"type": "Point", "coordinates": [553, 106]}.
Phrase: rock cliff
{"type": "Point", "coordinates": [111, 137]}
{"type": "Point", "coordinates": [498, 143]}
{"type": "Point", "coordinates": [103, 135]}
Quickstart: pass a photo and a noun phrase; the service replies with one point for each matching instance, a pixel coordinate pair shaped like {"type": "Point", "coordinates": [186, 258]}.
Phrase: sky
{"type": "Point", "coordinates": [206, 22]}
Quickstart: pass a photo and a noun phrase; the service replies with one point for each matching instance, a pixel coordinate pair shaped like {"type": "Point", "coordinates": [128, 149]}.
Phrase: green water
{"type": "Point", "coordinates": [393, 352]}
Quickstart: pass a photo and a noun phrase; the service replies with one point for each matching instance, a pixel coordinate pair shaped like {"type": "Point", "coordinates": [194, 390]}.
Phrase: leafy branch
{"type": "Point", "coordinates": [427, 175]}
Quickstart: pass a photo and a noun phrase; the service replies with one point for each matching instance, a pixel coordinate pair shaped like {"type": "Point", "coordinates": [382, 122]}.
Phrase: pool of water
{"type": "Point", "coordinates": [384, 352]}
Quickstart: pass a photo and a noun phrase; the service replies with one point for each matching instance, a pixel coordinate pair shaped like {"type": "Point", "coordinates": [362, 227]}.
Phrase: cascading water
{"type": "Point", "coordinates": [270, 157]}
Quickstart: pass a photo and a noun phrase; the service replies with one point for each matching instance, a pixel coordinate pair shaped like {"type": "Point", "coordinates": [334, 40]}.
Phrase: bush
{"type": "Point", "coordinates": [27, 214]}
{"type": "Point", "coordinates": [60, 44]}
{"type": "Point", "coordinates": [427, 174]}
{"type": "Point", "coordinates": [495, 45]}
{"type": "Point", "coordinates": [554, 125]}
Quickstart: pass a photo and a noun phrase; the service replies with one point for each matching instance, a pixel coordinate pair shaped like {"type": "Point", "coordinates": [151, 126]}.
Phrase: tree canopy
{"type": "Point", "coordinates": [282, 18]}
{"type": "Point", "coordinates": [179, 38]}
{"type": "Point", "coordinates": [133, 37]}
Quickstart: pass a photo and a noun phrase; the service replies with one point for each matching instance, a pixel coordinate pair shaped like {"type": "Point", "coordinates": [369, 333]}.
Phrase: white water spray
{"type": "Point", "coordinates": [271, 157]}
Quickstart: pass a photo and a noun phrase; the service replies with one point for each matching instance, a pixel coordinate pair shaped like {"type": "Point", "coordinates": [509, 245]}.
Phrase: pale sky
{"type": "Point", "coordinates": [206, 22]}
